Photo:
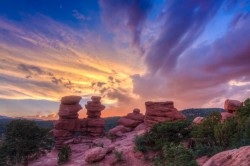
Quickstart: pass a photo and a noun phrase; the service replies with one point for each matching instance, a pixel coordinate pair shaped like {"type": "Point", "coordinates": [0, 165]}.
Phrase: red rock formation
{"type": "Point", "coordinates": [94, 123]}
{"type": "Point", "coordinates": [231, 157]}
{"type": "Point", "coordinates": [226, 115]}
{"type": "Point", "coordinates": [161, 111]}
{"type": "Point", "coordinates": [68, 120]}
{"type": "Point", "coordinates": [128, 123]}
{"type": "Point", "coordinates": [198, 120]}
{"type": "Point", "coordinates": [231, 105]}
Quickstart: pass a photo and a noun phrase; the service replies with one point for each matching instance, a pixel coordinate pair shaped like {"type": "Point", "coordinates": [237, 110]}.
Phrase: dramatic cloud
{"type": "Point", "coordinates": [196, 76]}
{"type": "Point", "coordinates": [38, 65]}
{"type": "Point", "coordinates": [129, 14]}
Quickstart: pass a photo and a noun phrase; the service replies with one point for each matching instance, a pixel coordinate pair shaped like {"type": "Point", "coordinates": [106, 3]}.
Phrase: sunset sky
{"type": "Point", "coordinates": [196, 53]}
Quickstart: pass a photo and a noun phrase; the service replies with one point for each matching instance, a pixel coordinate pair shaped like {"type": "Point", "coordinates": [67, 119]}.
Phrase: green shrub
{"type": "Point", "coordinates": [64, 155]}
{"type": "Point", "coordinates": [119, 155]}
{"type": "Point", "coordinates": [163, 133]}
{"type": "Point", "coordinates": [244, 111]}
{"type": "Point", "coordinates": [24, 138]}
{"type": "Point", "coordinates": [204, 132]}
{"type": "Point", "coordinates": [178, 156]}
{"type": "Point", "coordinates": [225, 133]}
{"type": "Point", "coordinates": [203, 149]}
{"type": "Point", "coordinates": [141, 143]}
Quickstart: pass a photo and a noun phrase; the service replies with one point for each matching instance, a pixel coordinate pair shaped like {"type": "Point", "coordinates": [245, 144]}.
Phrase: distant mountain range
{"type": "Point", "coordinates": [5, 117]}
{"type": "Point", "coordinates": [203, 112]}
{"type": "Point", "coordinates": [11, 118]}
{"type": "Point", "coordinates": [111, 121]}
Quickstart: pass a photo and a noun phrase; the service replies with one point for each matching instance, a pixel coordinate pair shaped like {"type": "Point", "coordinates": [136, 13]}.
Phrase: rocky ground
{"type": "Point", "coordinates": [92, 149]}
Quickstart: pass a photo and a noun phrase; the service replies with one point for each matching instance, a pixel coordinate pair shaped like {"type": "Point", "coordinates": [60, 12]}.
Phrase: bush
{"type": "Point", "coordinates": [64, 155]}
{"type": "Point", "coordinates": [23, 138]}
{"type": "Point", "coordinates": [178, 156]}
{"type": "Point", "coordinates": [225, 133]}
{"type": "Point", "coordinates": [141, 142]}
{"type": "Point", "coordinates": [163, 133]}
{"type": "Point", "coordinates": [202, 150]}
{"type": "Point", "coordinates": [119, 155]}
{"type": "Point", "coordinates": [204, 132]}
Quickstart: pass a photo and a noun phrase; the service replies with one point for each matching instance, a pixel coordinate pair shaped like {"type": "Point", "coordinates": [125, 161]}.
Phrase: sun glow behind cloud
{"type": "Point", "coordinates": [37, 66]}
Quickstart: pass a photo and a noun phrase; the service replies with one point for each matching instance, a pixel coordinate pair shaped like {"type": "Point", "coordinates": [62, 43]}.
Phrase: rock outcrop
{"type": "Point", "coordinates": [161, 111]}
{"type": "Point", "coordinates": [231, 157]}
{"type": "Point", "coordinates": [68, 121]}
{"type": "Point", "coordinates": [198, 120]}
{"type": "Point", "coordinates": [232, 105]}
{"type": "Point", "coordinates": [94, 123]}
{"type": "Point", "coordinates": [128, 123]}
{"type": "Point", "coordinates": [97, 153]}
{"type": "Point", "coordinates": [226, 115]}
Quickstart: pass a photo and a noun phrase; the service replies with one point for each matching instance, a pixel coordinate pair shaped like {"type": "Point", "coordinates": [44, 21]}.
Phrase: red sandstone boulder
{"type": "Point", "coordinates": [161, 111]}
{"type": "Point", "coordinates": [83, 123]}
{"type": "Point", "coordinates": [95, 122]}
{"type": "Point", "coordinates": [239, 157]}
{"type": "Point", "coordinates": [61, 133]}
{"type": "Point", "coordinates": [226, 115]}
{"type": "Point", "coordinates": [94, 107]}
{"type": "Point", "coordinates": [128, 122]}
{"type": "Point", "coordinates": [95, 154]}
{"type": "Point", "coordinates": [119, 130]}
{"type": "Point", "coordinates": [69, 111]}
{"type": "Point", "coordinates": [67, 124]}
{"type": "Point", "coordinates": [198, 120]}
{"type": "Point", "coordinates": [141, 126]}
{"type": "Point", "coordinates": [136, 115]}
{"type": "Point", "coordinates": [70, 100]}
{"type": "Point", "coordinates": [96, 99]}
{"type": "Point", "coordinates": [232, 105]}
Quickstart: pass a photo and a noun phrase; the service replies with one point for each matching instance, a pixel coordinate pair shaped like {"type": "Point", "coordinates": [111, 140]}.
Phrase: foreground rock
{"type": "Point", "coordinates": [68, 122]}
{"type": "Point", "coordinates": [97, 153]}
{"type": "Point", "coordinates": [84, 153]}
{"type": "Point", "coordinates": [232, 105]}
{"type": "Point", "coordinates": [161, 111]}
{"type": "Point", "coordinates": [235, 157]}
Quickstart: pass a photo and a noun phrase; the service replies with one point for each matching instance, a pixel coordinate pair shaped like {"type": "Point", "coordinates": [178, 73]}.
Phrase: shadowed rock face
{"type": "Point", "coordinates": [232, 105]}
{"type": "Point", "coordinates": [161, 111]}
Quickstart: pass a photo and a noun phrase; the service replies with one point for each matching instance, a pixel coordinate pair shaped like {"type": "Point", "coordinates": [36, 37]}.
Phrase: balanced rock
{"type": "Point", "coordinates": [132, 119]}
{"type": "Point", "coordinates": [161, 111]}
{"type": "Point", "coordinates": [68, 122]}
{"type": "Point", "coordinates": [128, 123]}
{"type": "Point", "coordinates": [95, 124]}
{"type": "Point", "coordinates": [70, 100]}
{"type": "Point", "coordinates": [69, 111]}
{"type": "Point", "coordinates": [232, 105]}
